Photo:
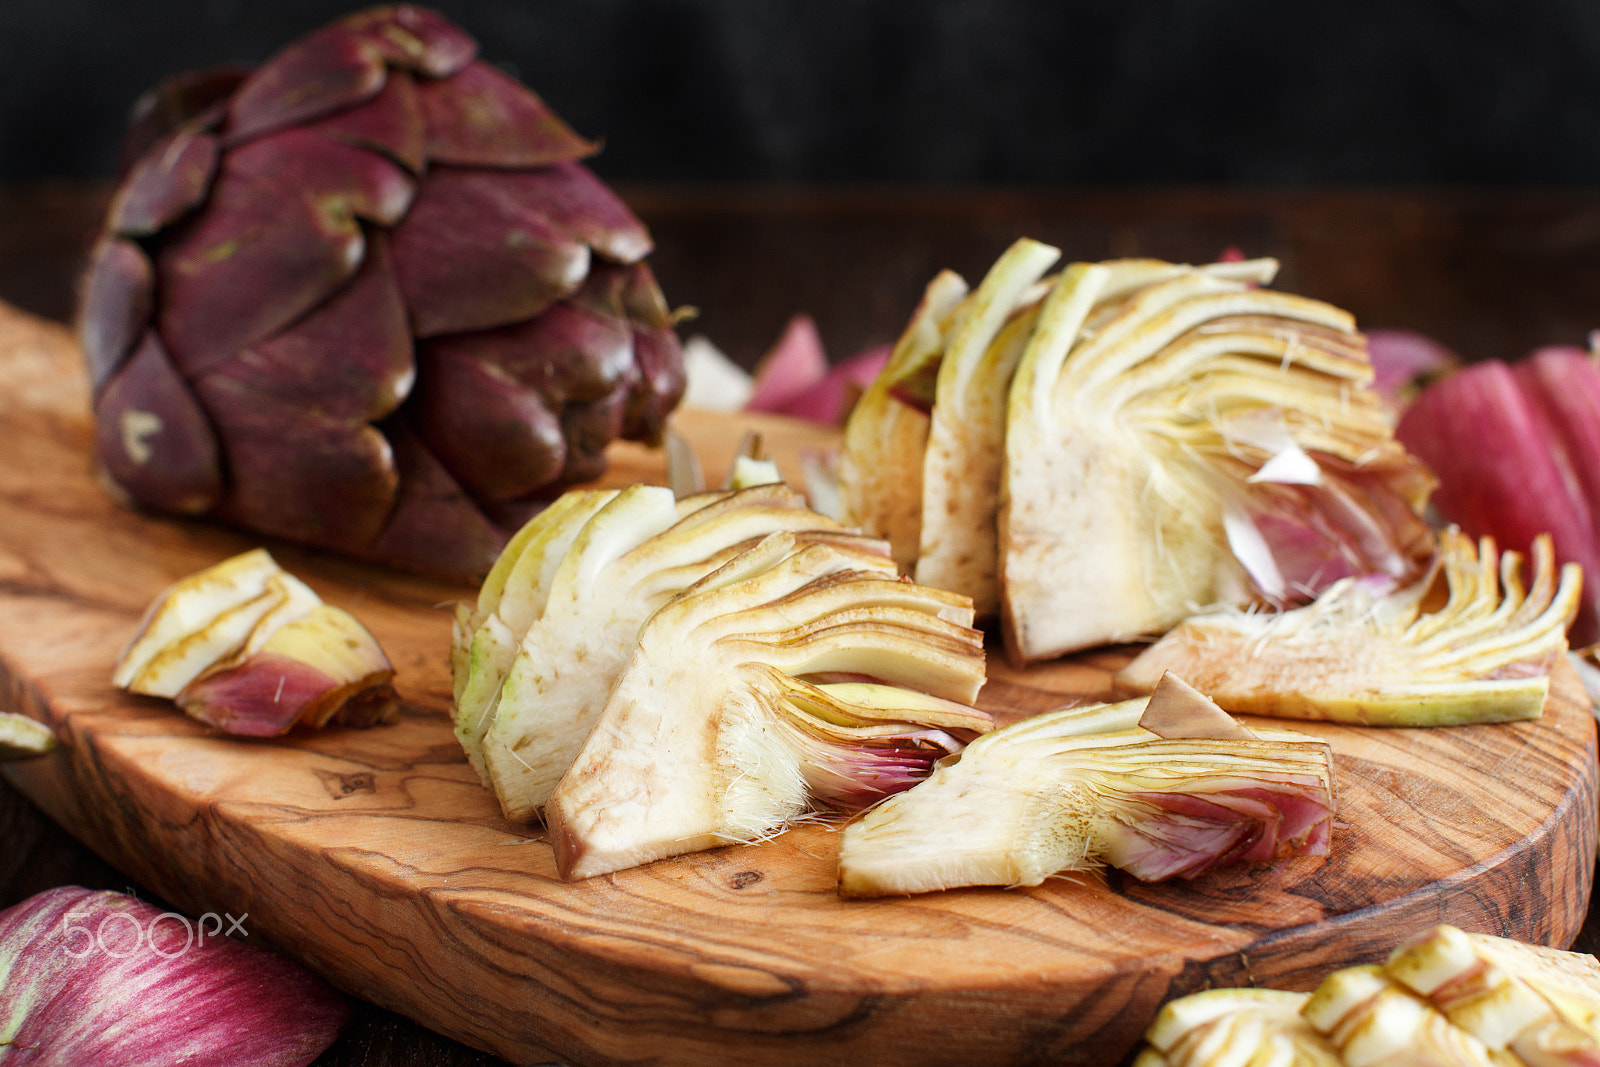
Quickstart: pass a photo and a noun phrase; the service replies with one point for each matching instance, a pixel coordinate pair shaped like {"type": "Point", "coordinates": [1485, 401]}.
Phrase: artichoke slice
{"type": "Point", "coordinates": [561, 611]}
{"type": "Point", "coordinates": [1074, 788]}
{"type": "Point", "coordinates": [1392, 657]}
{"type": "Point", "coordinates": [21, 737]}
{"type": "Point", "coordinates": [1179, 438]}
{"type": "Point", "coordinates": [713, 735]}
{"type": "Point", "coordinates": [245, 646]}
{"type": "Point", "coordinates": [886, 437]}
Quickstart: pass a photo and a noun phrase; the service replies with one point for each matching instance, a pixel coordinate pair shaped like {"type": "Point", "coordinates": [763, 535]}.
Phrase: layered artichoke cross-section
{"type": "Point", "coordinates": [367, 296]}
{"type": "Point", "coordinates": [655, 675]}
{"type": "Point", "coordinates": [1103, 452]}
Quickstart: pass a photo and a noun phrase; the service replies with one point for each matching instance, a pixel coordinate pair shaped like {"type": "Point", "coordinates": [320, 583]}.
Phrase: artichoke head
{"type": "Point", "coordinates": [368, 298]}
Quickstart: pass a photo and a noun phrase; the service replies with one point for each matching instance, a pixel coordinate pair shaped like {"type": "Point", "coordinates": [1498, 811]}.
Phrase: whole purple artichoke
{"type": "Point", "coordinates": [366, 297]}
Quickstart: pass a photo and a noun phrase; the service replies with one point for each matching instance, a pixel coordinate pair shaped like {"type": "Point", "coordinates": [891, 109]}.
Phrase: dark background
{"type": "Point", "coordinates": [948, 92]}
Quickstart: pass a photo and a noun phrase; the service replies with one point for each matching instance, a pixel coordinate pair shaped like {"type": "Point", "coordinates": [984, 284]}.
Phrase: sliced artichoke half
{"type": "Point", "coordinates": [1161, 786]}
{"type": "Point", "coordinates": [797, 674]}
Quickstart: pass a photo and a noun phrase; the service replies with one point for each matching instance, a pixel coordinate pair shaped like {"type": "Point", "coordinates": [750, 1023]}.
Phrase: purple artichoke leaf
{"type": "Point", "coordinates": [152, 440]}
{"type": "Point", "coordinates": [414, 38]}
{"type": "Point", "coordinates": [293, 473]}
{"type": "Point", "coordinates": [483, 118]}
{"type": "Point", "coordinates": [576, 201]}
{"type": "Point", "coordinates": [435, 527]}
{"type": "Point", "coordinates": [364, 324]}
{"type": "Point", "coordinates": [658, 354]}
{"type": "Point", "coordinates": [249, 264]}
{"type": "Point", "coordinates": [497, 438]}
{"type": "Point", "coordinates": [471, 254]}
{"type": "Point", "coordinates": [390, 123]}
{"type": "Point", "coordinates": [196, 98]}
{"type": "Point", "coordinates": [342, 65]}
{"type": "Point", "coordinates": [166, 183]}
{"type": "Point", "coordinates": [106, 979]}
{"type": "Point", "coordinates": [642, 298]}
{"type": "Point", "coordinates": [566, 354]}
{"type": "Point", "coordinates": [117, 297]}
{"type": "Point", "coordinates": [589, 428]}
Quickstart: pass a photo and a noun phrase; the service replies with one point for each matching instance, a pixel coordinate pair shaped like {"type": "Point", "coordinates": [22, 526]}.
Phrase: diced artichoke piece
{"type": "Point", "coordinates": [1466, 643]}
{"type": "Point", "coordinates": [1246, 1027]}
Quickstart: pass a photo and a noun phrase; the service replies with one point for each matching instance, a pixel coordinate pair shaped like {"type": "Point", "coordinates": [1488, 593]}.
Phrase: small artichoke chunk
{"type": "Point", "coordinates": [22, 737]}
{"type": "Point", "coordinates": [1235, 1026]}
{"type": "Point", "coordinates": [1541, 1005]}
{"type": "Point", "coordinates": [541, 666]}
{"type": "Point", "coordinates": [250, 649]}
{"type": "Point", "coordinates": [796, 675]}
{"type": "Point", "coordinates": [1466, 643]}
{"type": "Point", "coordinates": [1161, 786]}
{"type": "Point", "coordinates": [1178, 438]}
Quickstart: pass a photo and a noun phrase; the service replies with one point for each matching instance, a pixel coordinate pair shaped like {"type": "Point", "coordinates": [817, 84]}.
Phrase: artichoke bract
{"type": "Point", "coordinates": [368, 298]}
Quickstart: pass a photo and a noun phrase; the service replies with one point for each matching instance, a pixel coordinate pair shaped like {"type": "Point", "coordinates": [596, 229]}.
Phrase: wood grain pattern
{"type": "Point", "coordinates": [376, 857]}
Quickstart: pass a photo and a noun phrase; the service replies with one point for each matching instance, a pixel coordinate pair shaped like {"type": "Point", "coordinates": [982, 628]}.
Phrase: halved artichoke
{"type": "Point", "coordinates": [794, 675]}
{"type": "Point", "coordinates": [367, 297]}
{"type": "Point", "coordinates": [1161, 786]}
{"type": "Point", "coordinates": [1465, 643]}
{"type": "Point", "coordinates": [560, 614]}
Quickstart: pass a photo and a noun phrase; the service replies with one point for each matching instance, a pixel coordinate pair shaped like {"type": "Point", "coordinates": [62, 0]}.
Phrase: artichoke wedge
{"type": "Point", "coordinates": [1466, 643]}
{"type": "Point", "coordinates": [797, 674]}
{"type": "Point", "coordinates": [537, 658]}
{"type": "Point", "coordinates": [1075, 788]}
{"type": "Point", "coordinates": [22, 737]}
{"type": "Point", "coordinates": [880, 463]}
{"type": "Point", "coordinates": [1177, 438]}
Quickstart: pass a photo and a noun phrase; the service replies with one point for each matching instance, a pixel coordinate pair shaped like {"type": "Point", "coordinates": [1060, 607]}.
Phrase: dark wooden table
{"type": "Point", "coordinates": [1490, 273]}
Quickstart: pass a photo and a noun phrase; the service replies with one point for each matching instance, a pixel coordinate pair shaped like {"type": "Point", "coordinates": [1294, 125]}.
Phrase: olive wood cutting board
{"type": "Point", "coordinates": [376, 857]}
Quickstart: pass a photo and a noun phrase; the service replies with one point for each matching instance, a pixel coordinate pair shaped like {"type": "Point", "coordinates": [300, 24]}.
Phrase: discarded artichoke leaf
{"type": "Point", "coordinates": [1541, 1004]}
{"type": "Point", "coordinates": [700, 746]}
{"type": "Point", "coordinates": [537, 678]}
{"type": "Point", "coordinates": [245, 646]}
{"type": "Point", "coordinates": [1074, 788]}
{"type": "Point", "coordinates": [1382, 657]}
{"type": "Point", "coordinates": [1249, 1027]}
{"type": "Point", "coordinates": [1128, 440]}
{"type": "Point", "coordinates": [22, 737]}
{"type": "Point", "coordinates": [885, 438]}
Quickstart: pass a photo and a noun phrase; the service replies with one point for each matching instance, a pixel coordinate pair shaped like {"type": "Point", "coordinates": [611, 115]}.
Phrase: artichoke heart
{"type": "Point", "coordinates": [800, 673]}
{"type": "Point", "coordinates": [1159, 787]}
{"type": "Point", "coordinates": [537, 656]}
{"type": "Point", "coordinates": [1466, 643]}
